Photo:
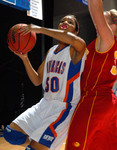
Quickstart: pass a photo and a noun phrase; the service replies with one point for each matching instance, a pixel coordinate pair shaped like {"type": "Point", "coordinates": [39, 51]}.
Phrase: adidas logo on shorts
{"type": "Point", "coordinates": [48, 138]}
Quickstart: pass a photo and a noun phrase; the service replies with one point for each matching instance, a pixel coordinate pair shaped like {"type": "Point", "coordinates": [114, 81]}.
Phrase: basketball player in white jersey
{"type": "Point", "coordinates": [47, 122]}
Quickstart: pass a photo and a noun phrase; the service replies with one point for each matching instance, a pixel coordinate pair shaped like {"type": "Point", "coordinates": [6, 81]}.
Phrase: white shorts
{"type": "Point", "coordinates": [47, 122]}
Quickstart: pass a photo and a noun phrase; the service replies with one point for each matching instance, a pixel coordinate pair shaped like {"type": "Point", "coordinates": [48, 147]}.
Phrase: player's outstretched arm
{"type": "Point", "coordinates": [61, 35]}
{"type": "Point", "coordinates": [103, 29]}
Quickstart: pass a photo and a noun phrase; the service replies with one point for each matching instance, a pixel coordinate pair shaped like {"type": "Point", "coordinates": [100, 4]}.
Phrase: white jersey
{"type": "Point", "coordinates": [61, 79]}
{"type": "Point", "coordinates": [48, 121]}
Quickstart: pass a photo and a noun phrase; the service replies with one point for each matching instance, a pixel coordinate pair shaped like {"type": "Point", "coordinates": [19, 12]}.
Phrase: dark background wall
{"type": "Point", "coordinates": [13, 78]}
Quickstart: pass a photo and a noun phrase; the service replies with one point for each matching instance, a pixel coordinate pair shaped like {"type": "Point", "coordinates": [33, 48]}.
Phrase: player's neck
{"type": "Point", "coordinates": [61, 45]}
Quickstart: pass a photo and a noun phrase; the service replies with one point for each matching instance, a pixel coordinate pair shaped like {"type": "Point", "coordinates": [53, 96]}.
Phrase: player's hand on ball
{"type": "Point", "coordinates": [30, 28]}
{"type": "Point", "coordinates": [22, 56]}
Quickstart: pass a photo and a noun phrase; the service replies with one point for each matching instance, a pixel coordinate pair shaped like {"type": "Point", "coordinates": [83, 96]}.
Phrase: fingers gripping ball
{"type": "Point", "coordinates": [19, 43]}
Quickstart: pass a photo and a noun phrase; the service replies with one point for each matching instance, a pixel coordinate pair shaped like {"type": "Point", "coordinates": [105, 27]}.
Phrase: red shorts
{"type": "Point", "coordinates": [93, 126]}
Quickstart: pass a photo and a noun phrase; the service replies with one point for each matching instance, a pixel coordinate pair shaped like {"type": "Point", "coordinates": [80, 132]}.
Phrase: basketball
{"type": "Point", "coordinates": [20, 43]}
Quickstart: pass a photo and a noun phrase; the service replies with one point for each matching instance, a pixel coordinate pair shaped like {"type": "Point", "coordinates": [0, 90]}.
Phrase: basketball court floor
{"type": "Point", "coordinates": [6, 146]}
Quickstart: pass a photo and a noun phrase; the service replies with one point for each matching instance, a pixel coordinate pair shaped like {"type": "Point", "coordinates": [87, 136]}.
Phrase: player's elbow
{"type": "Point", "coordinates": [80, 45]}
{"type": "Point", "coordinates": [83, 46]}
{"type": "Point", "coordinates": [36, 83]}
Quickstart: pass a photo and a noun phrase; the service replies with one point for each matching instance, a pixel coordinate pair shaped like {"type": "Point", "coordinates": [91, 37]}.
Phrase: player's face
{"type": "Point", "coordinates": [68, 24]}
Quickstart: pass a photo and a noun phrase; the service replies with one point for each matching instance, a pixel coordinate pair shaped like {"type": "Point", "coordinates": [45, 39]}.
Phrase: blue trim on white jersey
{"type": "Point", "coordinates": [74, 69]}
{"type": "Point", "coordinates": [70, 94]}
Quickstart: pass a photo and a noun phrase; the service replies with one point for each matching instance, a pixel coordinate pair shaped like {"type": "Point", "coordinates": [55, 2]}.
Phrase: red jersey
{"type": "Point", "coordinates": [100, 69]}
{"type": "Point", "coordinates": [93, 125]}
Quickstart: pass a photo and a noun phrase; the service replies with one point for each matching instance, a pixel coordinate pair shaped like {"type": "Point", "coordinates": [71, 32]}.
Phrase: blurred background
{"type": "Point", "coordinates": [17, 93]}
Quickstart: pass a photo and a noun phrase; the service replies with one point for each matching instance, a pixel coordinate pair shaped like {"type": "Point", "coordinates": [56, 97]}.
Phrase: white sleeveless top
{"type": "Point", "coordinates": [61, 80]}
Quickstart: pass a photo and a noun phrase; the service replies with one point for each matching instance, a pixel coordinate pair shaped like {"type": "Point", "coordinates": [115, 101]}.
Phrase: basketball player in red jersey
{"type": "Point", "coordinates": [93, 125]}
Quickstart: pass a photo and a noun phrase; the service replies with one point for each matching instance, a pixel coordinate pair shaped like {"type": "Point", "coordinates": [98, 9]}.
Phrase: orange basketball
{"type": "Point", "coordinates": [20, 43]}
